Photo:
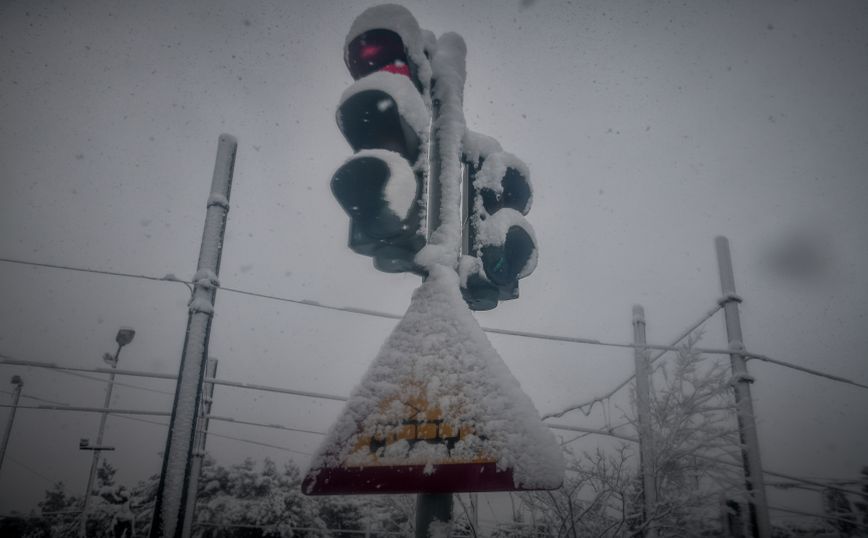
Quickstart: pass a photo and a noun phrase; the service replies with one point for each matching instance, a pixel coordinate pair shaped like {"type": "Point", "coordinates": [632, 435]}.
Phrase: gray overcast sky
{"type": "Point", "coordinates": [649, 128]}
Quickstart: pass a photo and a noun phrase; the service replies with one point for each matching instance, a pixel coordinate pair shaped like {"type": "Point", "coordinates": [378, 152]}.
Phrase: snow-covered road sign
{"type": "Point", "coordinates": [438, 411]}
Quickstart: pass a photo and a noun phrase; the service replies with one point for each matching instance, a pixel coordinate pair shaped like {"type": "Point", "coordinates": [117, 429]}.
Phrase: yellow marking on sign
{"type": "Point", "coordinates": [419, 422]}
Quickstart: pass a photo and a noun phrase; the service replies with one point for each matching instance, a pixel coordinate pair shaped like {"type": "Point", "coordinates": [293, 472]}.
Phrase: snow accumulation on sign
{"type": "Point", "coordinates": [437, 411]}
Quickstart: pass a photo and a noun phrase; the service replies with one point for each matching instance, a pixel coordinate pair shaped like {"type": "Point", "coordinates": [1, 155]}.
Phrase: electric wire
{"type": "Point", "coordinates": [524, 334]}
{"type": "Point", "coordinates": [167, 278]}
{"type": "Point", "coordinates": [31, 469]}
{"type": "Point", "coordinates": [590, 403]}
{"type": "Point", "coordinates": [588, 431]}
{"type": "Point", "coordinates": [633, 439]}
{"type": "Point", "coordinates": [163, 424]}
{"type": "Point", "coordinates": [147, 412]}
{"type": "Point", "coordinates": [117, 383]}
{"type": "Point", "coordinates": [13, 361]}
{"type": "Point", "coordinates": [826, 517]}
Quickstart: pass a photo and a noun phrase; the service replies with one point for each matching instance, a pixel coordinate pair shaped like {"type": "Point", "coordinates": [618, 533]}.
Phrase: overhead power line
{"type": "Point", "coordinates": [118, 383]}
{"type": "Point", "coordinates": [12, 361]}
{"type": "Point", "coordinates": [167, 278]}
{"type": "Point", "coordinates": [163, 424]}
{"type": "Point", "coordinates": [827, 517]}
{"type": "Point", "coordinates": [565, 427]}
{"type": "Point", "coordinates": [524, 334]}
{"type": "Point", "coordinates": [590, 403]}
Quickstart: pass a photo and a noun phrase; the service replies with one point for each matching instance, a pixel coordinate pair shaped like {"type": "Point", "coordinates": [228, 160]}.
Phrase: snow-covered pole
{"type": "Point", "coordinates": [199, 450]}
{"type": "Point", "coordinates": [761, 526]}
{"type": "Point", "coordinates": [173, 489]}
{"type": "Point", "coordinates": [447, 133]}
{"type": "Point", "coordinates": [448, 74]}
{"type": "Point", "coordinates": [643, 410]}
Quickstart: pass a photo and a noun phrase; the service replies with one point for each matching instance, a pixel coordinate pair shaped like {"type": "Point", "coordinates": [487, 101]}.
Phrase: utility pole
{"type": "Point", "coordinates": [124, 336]}
{"type": "Point", "coordinates": [199, 450]}
{"type": "Point", "coordinates": [172, 492]}
{"type": "Point", "coordinates": [646, 430]}
{"type": "Point", "coordinates": [16, 395]}
{"type": "Point", "coordinates": [753, 473]}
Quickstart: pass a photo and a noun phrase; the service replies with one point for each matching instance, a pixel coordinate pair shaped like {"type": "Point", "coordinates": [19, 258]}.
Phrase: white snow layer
{"type": "Point", "coordinates": [401, 21]}
{"type": "Point", "coordinates": [493, 170]}
{"type": "Point", "coordinates": [493, 230]}
{"type": "Point", "coordinates": [410, 104]}
{"type": "Point", "coordinates": [185, 416]}
{"type": "Point", "coordinates": [478, 146]}
{"type": "Point", "coordinates": [439, 358]}
{"type": "Point", "coordinates": [400, 191]}
{"type": "Point", "coordinates": [448, 66]}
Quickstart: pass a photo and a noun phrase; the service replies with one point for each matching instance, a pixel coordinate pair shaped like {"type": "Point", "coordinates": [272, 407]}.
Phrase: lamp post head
{"type": "Point", "coordinates": [16, 380]}
{"type": "Point", "coordinates": [125, 336]}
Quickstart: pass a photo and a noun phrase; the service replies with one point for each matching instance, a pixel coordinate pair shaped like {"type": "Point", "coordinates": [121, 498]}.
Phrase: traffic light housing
{"type": "Point", "coordinates": [501, 243]}
{"type": "Point", "coordinates": [385, 120]}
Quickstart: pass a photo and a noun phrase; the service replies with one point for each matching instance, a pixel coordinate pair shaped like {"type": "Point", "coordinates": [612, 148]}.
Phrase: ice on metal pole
{"type": "Point", "coordinates": [444, 210]}
{"type": "Point", "coordinates": [173, 489]}
{"type": "Point", "coordinates": [753, 473]}
{"type": "Point", "coordinates": [448, 127]}
{"type": "Point", "coordinates": [199, 450]}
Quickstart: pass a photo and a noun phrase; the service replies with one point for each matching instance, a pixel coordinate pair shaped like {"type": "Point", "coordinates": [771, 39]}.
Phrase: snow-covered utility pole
{"type": "Point", "coordinates": [760, 524]}
{"type": "Point", "coordinates": [172, 492]}
{"type": "Point", "coordinates": [647, 456]}
{"type": "Point", "coordinates": [16, 395]}
{"type": "Point", "coordinates": [199, 449]}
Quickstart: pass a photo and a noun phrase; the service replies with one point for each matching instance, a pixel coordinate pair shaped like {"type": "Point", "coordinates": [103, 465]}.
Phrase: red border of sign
{"type": "Point", "coordinates": [446, 478]}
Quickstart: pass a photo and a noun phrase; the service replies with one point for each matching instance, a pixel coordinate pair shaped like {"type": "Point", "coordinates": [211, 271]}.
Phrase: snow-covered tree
{"type": "Point", "coordinates": [695, 442]}
{"type": "Point", "coordinates": [696, 450]}
{"type": "Point", "coordinates": [244, 496]}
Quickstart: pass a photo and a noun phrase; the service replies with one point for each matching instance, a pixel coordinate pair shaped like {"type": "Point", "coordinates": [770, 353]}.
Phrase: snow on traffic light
{"type": "Point", "coordinates": [501, 247]}
{"type": "Point", "coordinates": [385, 119]}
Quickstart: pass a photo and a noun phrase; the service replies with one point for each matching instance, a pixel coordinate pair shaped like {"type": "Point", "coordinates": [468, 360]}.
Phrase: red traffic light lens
{"type": "Point", "coordinates": [377, 50]}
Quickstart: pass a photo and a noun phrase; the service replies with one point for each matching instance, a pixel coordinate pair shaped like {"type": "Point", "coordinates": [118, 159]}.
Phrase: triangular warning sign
{"type": "Point", "coordinates": [437, 411]}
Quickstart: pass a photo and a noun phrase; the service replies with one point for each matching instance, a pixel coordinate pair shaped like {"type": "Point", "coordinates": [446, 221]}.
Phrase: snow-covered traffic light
{"type": "Point", "coordinates": [501, 243]}
{"type": "Point", "coordinates": [385, 120]}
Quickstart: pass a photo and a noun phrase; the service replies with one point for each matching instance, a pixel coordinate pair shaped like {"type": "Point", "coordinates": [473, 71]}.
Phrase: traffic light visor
{"type": "Point", "coordinates": [377, 50]}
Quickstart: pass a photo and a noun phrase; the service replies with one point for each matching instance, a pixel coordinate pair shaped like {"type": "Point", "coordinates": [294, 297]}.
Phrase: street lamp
{"type": "Point", "coordinates": [125, 336]}
{"type": "Point", "coordinates": [16, 380]}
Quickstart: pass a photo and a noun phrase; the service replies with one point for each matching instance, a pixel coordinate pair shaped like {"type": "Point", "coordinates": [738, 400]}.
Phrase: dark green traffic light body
{"type": "Point", "coordinates": [499, 237]}
{"type": "Point", "coordinates": [385, 121]}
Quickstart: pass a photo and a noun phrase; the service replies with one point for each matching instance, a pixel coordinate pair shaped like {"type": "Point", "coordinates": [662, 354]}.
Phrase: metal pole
{"type": "Point", "coordinates": [432, 508]}
{"type": "Point", "coordinates": [474, 512]}
{"type": "Point", "coordinates": [444, 202]}
{"type": "Point", "coordinates": [646, 431]}
{"type": "Point", "coordinates": [94, 462]}
{"type": "Point", "coordinates": [16, 380]}
{"type": "Point", "coordinates": [759, 513]}
{"type": "Point", "coordinates": [199, 453]}
{"type": "Point", "coordinates": [170, 504]}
